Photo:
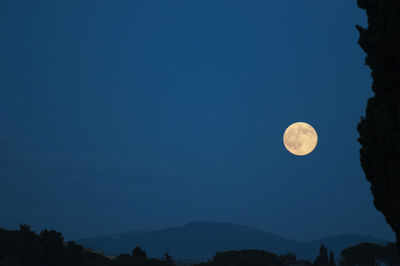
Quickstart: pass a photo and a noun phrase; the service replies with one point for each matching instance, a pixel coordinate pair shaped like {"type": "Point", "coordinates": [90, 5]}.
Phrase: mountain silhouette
{"type": "Point", "coordinates": [200, 240]}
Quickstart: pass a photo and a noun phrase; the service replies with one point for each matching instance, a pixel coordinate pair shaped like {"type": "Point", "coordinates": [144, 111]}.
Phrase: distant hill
{"type": "Point", "coordinates": [201, 240]}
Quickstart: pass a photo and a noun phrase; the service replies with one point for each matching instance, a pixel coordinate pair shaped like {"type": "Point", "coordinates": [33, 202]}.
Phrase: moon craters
{"type": "Point", "coordinates": [300, 138]}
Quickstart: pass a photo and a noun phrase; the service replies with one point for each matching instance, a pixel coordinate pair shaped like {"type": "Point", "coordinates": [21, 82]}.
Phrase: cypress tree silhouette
{"type": "Point", "coordinates": [331, 259]}
{"type": "Point", "coordinates": [322, 259]}
{"type": "Point", "coordinates": [380, 128]}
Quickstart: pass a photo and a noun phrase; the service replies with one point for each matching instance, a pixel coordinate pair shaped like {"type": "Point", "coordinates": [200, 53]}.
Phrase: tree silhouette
{"type": "Point", "coordinates": [75, 254]}
{"type": "Point", "coordinates": [366, 254]}
{"type": "Point", "coordinates": [27, 247]}
{"type": "Point", "coordinates": [139, 254]}
{"type": "Point", "coordinates": [245, 258]}
{"type": "Point", "coordinates": [53, 248]}
{"type": "Point", "coordinates": [379, 129]}
{"type": "Point", "coordinates": [332, 259]}
{"type": "Point", "coordinates": [322, 259]}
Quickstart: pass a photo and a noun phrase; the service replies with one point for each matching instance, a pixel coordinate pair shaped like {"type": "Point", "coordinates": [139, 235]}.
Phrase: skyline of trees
{"type": "Point", "coordinates": [26, 248]}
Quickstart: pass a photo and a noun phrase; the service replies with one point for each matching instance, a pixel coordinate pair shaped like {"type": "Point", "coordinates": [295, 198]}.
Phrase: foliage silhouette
{"type": "Point", "coordinates": [139, 254]}
{"type": "Point", "coordinates": [379, 129]}
{"type": "Point", "coordinates": [26, 248]}
{"type": "Point", "coordinates": [367, 254]}
{"type": "Point", "coordinates": [53, 251]}
{"type": "Point", "coordinates": [322, 259]}
{"type": "Point", "coordinates": [244, 258]}
{"type": "Point", "coordinates": [331, 259]}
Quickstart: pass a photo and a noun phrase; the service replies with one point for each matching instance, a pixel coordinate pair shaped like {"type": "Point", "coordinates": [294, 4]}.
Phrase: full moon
{"type": "Point", "coordinates": [300, 138]}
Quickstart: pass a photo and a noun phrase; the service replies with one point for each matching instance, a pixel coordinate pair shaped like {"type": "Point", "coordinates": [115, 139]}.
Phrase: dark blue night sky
{"type": "Point", "coordinates": [123, 115]}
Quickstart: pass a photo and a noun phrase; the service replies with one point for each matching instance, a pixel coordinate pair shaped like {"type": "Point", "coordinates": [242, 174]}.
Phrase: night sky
{"type": "Point", "coordinates": [125, 115]}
